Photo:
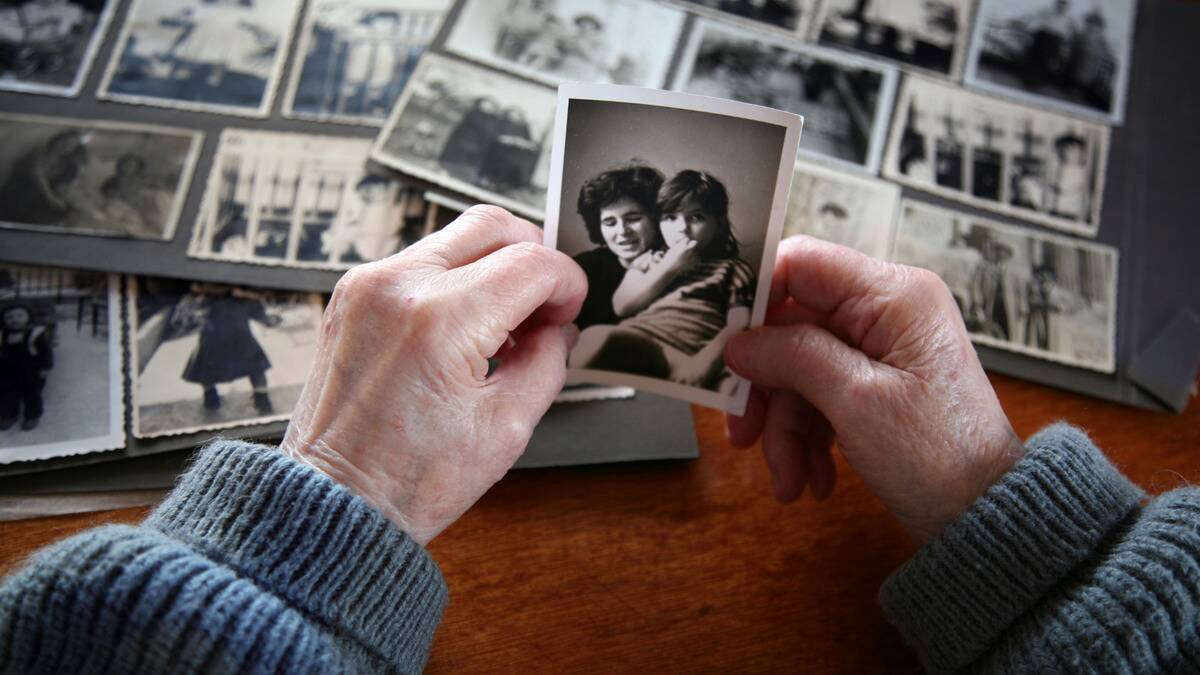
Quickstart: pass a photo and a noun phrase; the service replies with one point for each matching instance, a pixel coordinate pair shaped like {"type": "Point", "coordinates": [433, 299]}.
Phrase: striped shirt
{"type": "Point", "coordinates": [693, 309]}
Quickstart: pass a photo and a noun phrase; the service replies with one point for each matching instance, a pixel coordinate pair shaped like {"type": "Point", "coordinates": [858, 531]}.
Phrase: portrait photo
{"type": "Point", "coordinates": [793, 16]}
{"type": "Point", "coordinates": [673, 205]}
{"type": "Point", "coordinates": [924, 35]}
{"type": "Point", "coordinates": [843, 208]}
{"type": "Point", "coordinates": [95, 178]}
{"type": "Point", "coordinates": [47, 46]}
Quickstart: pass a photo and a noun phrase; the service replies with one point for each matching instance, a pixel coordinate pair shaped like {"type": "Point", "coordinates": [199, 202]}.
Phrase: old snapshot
{"type": "Point", "coordinates": [997, 155]}
{"type": "Point", "coordinates": [96, 178]}
{"type": "Point", "coordinates": [846, 100]}
{"type": "Point", "coordinates": [61, 388]}
{"type": "Point", "coordinates": [842, 208]}
{"type": "Point", "coordinates": [793, 16]}
{"type": "Point", "coordinates": [1071, 55]}
{"type": "Point", "coordinates": [47, 46]}
{"type": "Point", "coordinates": [923, 35]}
{"type": "Point", "coordinates": [473, 131]}
{"type": "Point", "coordinates": [302, 201]}
{"type": "Point", "coordinates": [221, 56]}
{"type": "Point", "coordinates": [606, 41]}
{"type": "Point", "coordinates": [1044, 295]}
{"type": "Point", "coordinates": [209, 356]}
{"type": "Point", "coordinates": [354, 57]}
{"type": "Point", "coordinates": [673, 205]}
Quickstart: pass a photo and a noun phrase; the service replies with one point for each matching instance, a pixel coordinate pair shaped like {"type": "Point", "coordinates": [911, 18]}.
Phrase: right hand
{"type": "Point", "coordinates": [876, 355]}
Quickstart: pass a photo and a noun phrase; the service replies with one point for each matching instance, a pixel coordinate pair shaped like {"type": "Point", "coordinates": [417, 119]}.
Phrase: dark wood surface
{"type": "Point", "coordinates": [690, 566]}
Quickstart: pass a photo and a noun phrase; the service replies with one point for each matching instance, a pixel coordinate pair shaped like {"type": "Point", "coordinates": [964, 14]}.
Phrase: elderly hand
{"type": "Point", "coordinates": [877, 356]}
{"type": "Point", "coordinates": [399, 406]}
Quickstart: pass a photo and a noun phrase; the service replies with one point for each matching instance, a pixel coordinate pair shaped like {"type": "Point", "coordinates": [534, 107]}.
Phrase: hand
{"type": "Point", "coordinates": [399, 406]}
{"type": "Point", "coordinates": [877, 356]}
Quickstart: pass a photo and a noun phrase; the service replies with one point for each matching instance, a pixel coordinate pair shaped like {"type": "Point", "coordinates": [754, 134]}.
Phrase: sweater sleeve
{"type": "Point", "coordinates": [1057, 568]}
{"type": "Point", "coordinates": [255, 563]}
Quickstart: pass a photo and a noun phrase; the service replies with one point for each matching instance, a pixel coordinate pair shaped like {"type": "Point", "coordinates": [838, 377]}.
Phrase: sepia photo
{"type": "Point", "coordinates": [673, 205]}
{"type": "Point", "coordinates": [793, 16]}
{"type": "Point", "coordinates": [605, 41]}
{"type": "Point", "coordinates": [842, 208]}
{"type": "Point", "coordinates": [1018, 289]}
{"type": "Point", "coordinates": [302, 201]}
{"type": "Point", "coordinates": [61, 385]}
{"type": "Point", "coordinates": [999, 155]}
{"type": "Point", "coordinates": [1071, 55]}
{"type": "Point", "coordinates": [47, 46]}
{"type": "Point", "coordinates": [473, 131]}
{"type": "Point", "coordinates": [354, 58]}
{"type": "Point", "coordinates": [209, 356]}
{"type": "Point", "coordinates": [223, 56]}
{"type": "Point", "coordinates": [96, 178]}
{"type": "Point", "coordinates": [846, 100]}
{"type": "Point", "coordinates": [924, 35]}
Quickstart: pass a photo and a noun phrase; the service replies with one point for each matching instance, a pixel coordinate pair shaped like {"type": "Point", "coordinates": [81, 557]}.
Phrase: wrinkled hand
{"type": "Point", "coordinates": [877, 356]}
{"type": "Point", "coordinates": [399, 406]}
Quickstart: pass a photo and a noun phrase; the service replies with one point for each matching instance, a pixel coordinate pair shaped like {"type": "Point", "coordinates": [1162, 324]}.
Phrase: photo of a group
{"type": "Point", "coordinates": [842, 208]}
{"type": "Point", "coordinates": [1018, 289]}
{"type": "Point", "coordinates": [61, 388]}
{"type": "Point", "coordinates": [793, 16]}
{"type": "Point", "coordinates": [47, 46]}
{"type": "Point", "coordinates": [923, 35]}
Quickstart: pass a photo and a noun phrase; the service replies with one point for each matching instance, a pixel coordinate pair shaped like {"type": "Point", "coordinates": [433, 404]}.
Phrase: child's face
{"type": "Point", "coordinates": [627, 229]}
{"type": "Point", "coordinates": [372, 193]}
{"type": "Point", "coordinates": [16, 318]}
{"type": "Point", "coordinates": [689, 223]}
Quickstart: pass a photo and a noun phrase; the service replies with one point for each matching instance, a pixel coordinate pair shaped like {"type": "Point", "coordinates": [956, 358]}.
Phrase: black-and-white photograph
{"type": "Point", "coordinates": [673, 205]}
{"type": "Point", "coordinates": [210, 356]}
{"type": "Point", "coordinates": [302, 201]}
{"type": "Point", "coordinates": [473, 131]}
{"type": "Point", "coordinates": [61, 388]}
{"type": "Point", "coordinates": [355, 57]}
{"type": "Point", "coordinates": [998, 155]}
{"type": "Point", "coordinates": [96, 178]}
{"type": "Point", "coordinates": [842, 208]}
{"type": "Point", "coordinates": [1071, 55]}
{"type": "Point", "coordinates": [1039, 294]}
{"type": "Point", "coordinates": [605, 41]}
{"type": "Point", "coordinates": [221, 56]}
{"type": "Point", "coordinates": [846, 100]}
{"type": "Point", "coordinates": [926, 35]}
{"type": "Point", "coordinates": [47, 46]}
{"type": "Point", "coordinates": [793, 16]}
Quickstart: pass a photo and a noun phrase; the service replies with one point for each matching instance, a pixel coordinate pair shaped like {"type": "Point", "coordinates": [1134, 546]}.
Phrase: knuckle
{"type": "Point", "coordinates": [514, 432]}
{"type": "Point", "coordinates": [487, 212]}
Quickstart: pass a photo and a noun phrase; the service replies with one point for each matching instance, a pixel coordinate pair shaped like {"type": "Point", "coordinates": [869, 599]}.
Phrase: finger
{"type": "Point", "coordinates": [818, 458]}
{"type": "Point", "coordinates": [479, 231]}
{"type": "Point", "coordinates": [789, 311]}
{"type": "Point", "coordinates": [744, 431]}
{"type": "Point", "coordinates": [532, 374]}
{"type": "Point", "coordinates": [788, 418]}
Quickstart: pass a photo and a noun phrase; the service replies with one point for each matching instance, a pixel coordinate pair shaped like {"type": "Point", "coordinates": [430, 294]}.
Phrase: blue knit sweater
{"type": "Point", "coordinates": [259, 564]}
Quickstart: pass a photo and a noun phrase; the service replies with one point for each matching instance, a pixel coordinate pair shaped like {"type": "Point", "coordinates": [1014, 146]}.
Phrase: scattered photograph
{"type": "Point", "coordinates": [673, 205]}
{"type": "Point", "coordinates": [61, 388]}
{"type": "Point", "coordinates": [355, 57]}
{"type": "Point", "coordinates": [793, 16]}
{"type": "Point", "coordinates": [1018, 289]}
{"type": "Point", "coordinates": [842, 208]}
{"type": "Point", "coordinates": [47, 46]}
{"type": "Point", "coordinates": [998, 155]}
{"type": "Point", "coordinates": [846, 101]}
{"type": "Point", "coordinates": [554, 41]}
{"type": "Point", "coordinates": [1071, 55]}
{"type": "Point", "coordinates": [221, 56]}
{"type": "Point", "coordinates": [209, 356]}
{"type": "Point", "coordinates": [925, 35]}
{"type": "Point", "coordinates": [97, 178]}
{"type": "Point", "coordinates": [473, 131]}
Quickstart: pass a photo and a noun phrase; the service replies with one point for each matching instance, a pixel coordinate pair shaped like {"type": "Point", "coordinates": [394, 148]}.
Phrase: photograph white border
{"type": "Point", "coordinates": [895, 193]}
{"type": "Point", "coordinates": [792, 124]}
{"type": "Point", "coordinates": [85, 64]}
{"type": "Point", "coordinates": [801, 32]}
{"type": "Point", "coordinates": [889, 74]}
{"type": "Point", "coordinates": [1108, 366]}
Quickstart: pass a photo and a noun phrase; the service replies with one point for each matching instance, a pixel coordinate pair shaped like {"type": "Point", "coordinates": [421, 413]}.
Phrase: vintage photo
{"type": "Point", "coordinates": [1072, 55]}
{"type": "Point", "coordinates": [1018, 289]}
{"type": "Point", "coordinates": [61, 388]}
{"type": "Point", "coordinates": [209, 356]}
{"type": "Point", "coordinates": [355, 57]}
{"type": "Point", "coordinates": [47, 46]}
{"type": "Point", "coordinates": [605, 41]}
{"type": "Point", "coordinates": [99, 178]}
{"type": "Point", "coordinates": [473, 131]}
{"type": "Point", "coordinates": [303, 201]}
{"type": "Point", "coordinates": [793, 16]}
{"type": "Point", "coordinates": [673, 205]}
{"type": "Point", "coordinates": [925, 35]}
{"type": "Point", "coordinates": [213, 55]}
{"type": "Point", "coordinates": [846, 100]}
{"type": "Point", "coordinates": [842, 208]}
{"type": "Point", "coordinates": [998, 155]}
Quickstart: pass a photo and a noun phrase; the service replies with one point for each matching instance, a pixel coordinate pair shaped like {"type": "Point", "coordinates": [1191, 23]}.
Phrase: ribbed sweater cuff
{"type": "Point", "coordinates": [310, 541]}
{"type": "Point", "coordinates": [1048, 514]}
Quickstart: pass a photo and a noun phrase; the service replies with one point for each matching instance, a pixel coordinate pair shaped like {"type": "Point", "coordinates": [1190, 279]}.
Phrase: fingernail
{"type": "Point", "coordinates": [571, 334]}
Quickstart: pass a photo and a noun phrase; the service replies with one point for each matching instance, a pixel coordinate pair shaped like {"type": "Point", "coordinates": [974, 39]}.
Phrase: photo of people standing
{"type": "Point", "coordinates": [46, 46]}
{"type": "Point", "coordinates": [791, 15]}
{"type": "Point", "coordinates": [928, 35]}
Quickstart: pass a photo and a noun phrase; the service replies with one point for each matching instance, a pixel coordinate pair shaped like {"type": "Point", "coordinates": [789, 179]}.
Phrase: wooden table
{"type": "Point", "coordinates": [692, 567]}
